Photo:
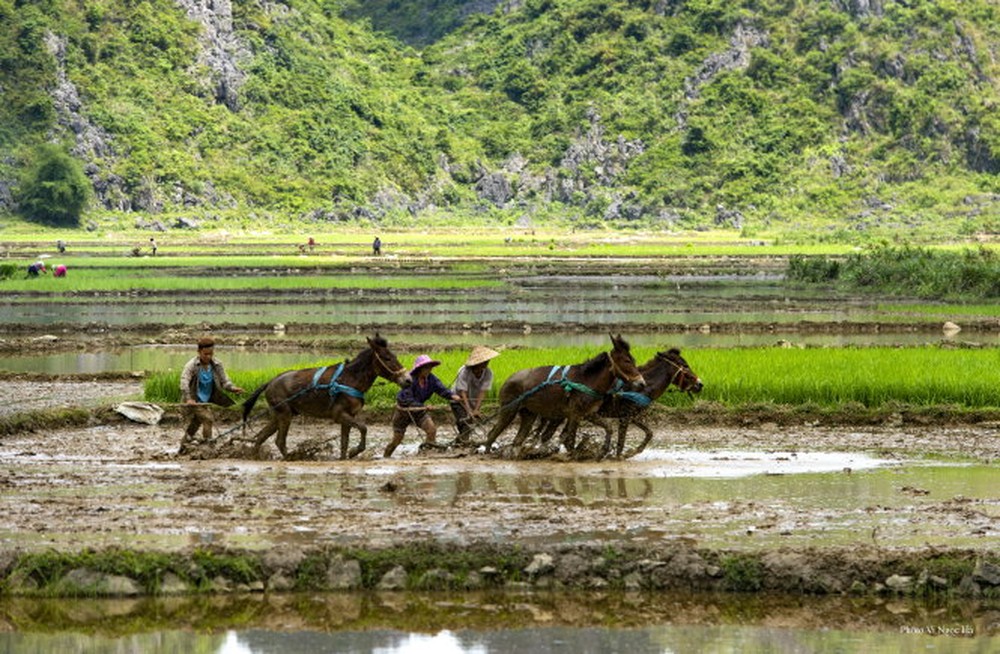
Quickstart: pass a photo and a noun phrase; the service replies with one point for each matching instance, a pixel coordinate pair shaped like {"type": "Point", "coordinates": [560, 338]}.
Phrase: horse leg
{"type": "Point", "coordinates": [603, 424]}
{"type": "Point", "coordinates": [504, 418]}
{"type": "Point", "coordinates": [345, 431]}
{"type": "Point", "coordinates": [284, 421]}
{"type": "Point", "coordinates": [545, 430]}
{"type": "Point", "coordinates": [527, 420]}
{"type": "Point", "coordinates": [645, 441]}
{"type": "Point", "coordinates": [264, 434]}
{"type": "Point", "coordinates": [568, 436]}
{"type": "Point", "coordinates": [622, 431]}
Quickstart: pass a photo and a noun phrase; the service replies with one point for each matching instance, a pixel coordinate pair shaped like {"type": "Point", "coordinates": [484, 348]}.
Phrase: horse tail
{"type": "Point", "coordinates": [250, 401]}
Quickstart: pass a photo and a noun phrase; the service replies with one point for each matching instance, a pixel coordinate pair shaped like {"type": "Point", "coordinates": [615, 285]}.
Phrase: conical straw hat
{"type": "Point", "coordinates": [480, 354]}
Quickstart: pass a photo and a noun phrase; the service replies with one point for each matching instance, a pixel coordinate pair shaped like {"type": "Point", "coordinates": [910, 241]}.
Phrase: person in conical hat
{"type": "Point", "coordinates": [410, 409]}
{"type": "Point", "coordinates": [473, 382]}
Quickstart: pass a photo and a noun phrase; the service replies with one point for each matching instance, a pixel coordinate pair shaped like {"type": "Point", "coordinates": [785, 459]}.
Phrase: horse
{"type": "Point", "coordinates": [336, 392]}
{"type": "Point", "coordinates": [571, 393]}
{"type": "Point", "coordinates": [665, 369]}
{"type": "Point", "coordinates": [662, 371]}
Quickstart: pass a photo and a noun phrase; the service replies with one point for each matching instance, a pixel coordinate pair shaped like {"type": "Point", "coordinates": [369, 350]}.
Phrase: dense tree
{"type": "Point", "coordinates": [54, 189]}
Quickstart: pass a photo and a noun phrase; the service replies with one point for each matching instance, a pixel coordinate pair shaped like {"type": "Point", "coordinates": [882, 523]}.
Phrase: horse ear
{"type": "Point", "coordinates": [675, 351]}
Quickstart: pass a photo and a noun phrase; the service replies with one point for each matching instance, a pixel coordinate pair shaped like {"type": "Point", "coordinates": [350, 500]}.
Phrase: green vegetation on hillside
{"type": "Point", "coordinates": [797, 116]}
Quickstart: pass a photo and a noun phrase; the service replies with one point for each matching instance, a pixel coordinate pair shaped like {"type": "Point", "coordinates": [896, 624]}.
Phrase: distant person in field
{"type": "Point", "coordinates": [36, 269]}
{"type": "Point", "coordinates": [152, 245]}
{"type": "Point", "coordinates": [472, 383]}
{"type": "Point", "coordinates": [410, 408]}
{"type": "Point", "coordinates": [312, 243]}
{"type": "Point", "coordinates": [60, 271]}
{"type": "Point", "coordinates": [377, 246]}
{"type": "Point", "coordinates": [61, 246]}
{"type": "Point", "coordinates": [202, 382]}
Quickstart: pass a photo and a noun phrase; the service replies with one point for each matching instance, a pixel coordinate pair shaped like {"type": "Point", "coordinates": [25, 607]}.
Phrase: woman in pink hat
{"type": "Point", "coordinates": [410, 409]}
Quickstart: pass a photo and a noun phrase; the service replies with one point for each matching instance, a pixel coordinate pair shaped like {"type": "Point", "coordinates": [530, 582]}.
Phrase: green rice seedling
{"type": "Point", "coordinates": [837, 376]}
{"type": "Point", "coordinates": [943, 311]}
{"type": "Point", "coordinates": [815, 377]}
{"type": "Point", "coordinates": [101, 281]}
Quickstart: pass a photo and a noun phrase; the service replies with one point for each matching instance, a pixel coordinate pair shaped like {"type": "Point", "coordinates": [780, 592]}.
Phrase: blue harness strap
{"type": "Point", "coordinates": [567, 385]}
{"type": "Point", "coordinates": [640, 399]}
{"type": "Point", "coordinates": [335, 387]}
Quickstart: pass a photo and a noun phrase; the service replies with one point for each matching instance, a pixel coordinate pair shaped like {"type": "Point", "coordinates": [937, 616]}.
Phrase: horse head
{"type": "Point", "coordinates": [682, 376]}
{"type": "Point", "coordinates": [386, 364]}
{"type": "Point", "coordinates": [624, 364]}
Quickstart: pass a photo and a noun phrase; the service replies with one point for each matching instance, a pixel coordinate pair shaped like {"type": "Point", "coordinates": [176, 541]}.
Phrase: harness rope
{"type": "Point", "coordinates": [641, 399]}
{"type": "Point", "coordinates": [567, 384]}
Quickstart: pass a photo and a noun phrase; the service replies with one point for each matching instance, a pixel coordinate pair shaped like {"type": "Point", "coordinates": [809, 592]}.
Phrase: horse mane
{"type": "Point", "coordinates": [595, 365]}
{"type": "Point", "coordinates": [672, 353]}
{"type": "Point", "coordinates": [363, 359]}
{"type": "Point", "coordinates": [360, 362]}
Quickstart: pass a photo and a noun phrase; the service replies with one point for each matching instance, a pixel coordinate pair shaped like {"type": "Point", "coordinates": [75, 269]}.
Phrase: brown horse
{"type": "Point", "coordinates": [665, 369]}
{"type": "Point", "coordinates": [570, 393]}
{"type": "Point", "coordinates": [335, 392]}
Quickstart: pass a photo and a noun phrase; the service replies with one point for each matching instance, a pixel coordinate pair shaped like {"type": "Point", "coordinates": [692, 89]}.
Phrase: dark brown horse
{"type": "Point", "coordinates": [570, 393]}
{"type": "Point", "coordinates": [665, 369]}
{"type": "Point", "coordinates": [662, 371]}
{"type": "Point", "coordinates": [335, 392]}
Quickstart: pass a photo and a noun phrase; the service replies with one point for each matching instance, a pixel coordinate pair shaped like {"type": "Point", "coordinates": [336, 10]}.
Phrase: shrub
{"type": "Point", "coordinates": [54, 189]}
{"type": "Point", "coordinates": [812, 269]}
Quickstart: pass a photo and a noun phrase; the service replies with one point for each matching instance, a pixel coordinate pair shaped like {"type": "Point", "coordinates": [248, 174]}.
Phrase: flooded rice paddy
{"type": "Point", "coordinates": [57, 484]}
{"type": "Point", "coordinates": [758, 488]}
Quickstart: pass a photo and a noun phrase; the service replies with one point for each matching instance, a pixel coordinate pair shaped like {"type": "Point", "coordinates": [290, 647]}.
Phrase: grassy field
{"type": "Point", "coordinates": [824, 377]}
{"type": "Point", "coordinates": [22, 243]}
{"type": "Point", "coordinates": [103, 281]}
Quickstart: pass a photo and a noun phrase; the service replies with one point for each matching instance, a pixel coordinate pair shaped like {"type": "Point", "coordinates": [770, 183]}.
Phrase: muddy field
{"type": "Point", "coordinates": [123, 484]}
{"type": "Point", "coordinates": [822, 505]}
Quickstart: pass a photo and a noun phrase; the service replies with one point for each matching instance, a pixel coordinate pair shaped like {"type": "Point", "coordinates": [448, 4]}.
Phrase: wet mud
{"type": "Point", "coordinates": [766, 487]}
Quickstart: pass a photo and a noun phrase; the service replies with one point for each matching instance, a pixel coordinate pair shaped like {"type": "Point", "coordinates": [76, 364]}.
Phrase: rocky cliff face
{"type": "Point", "coordinates": [91, 143]}
{"type": "Point", "coordinates": [221, 55]}
{"type": "Point", "coordinates": [222, 52]}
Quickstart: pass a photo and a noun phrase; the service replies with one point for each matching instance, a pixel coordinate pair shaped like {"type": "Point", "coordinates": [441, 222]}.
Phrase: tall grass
{"type": "Point", "coordinates": [872, 377]}
{"type": "Point", "coordinates": [912, 271]}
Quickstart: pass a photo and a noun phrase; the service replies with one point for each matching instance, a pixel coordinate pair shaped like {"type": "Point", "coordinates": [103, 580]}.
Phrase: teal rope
{"type": "Point", "coordinates": [335, 387]}
{"type": "Point", "coordinates": [567, 385]}
{"type": "Point", "coordinates": [640, 399]}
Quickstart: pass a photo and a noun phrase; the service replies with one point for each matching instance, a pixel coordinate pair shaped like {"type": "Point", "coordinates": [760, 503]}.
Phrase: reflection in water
{"type": "Point", "coordinates": [479, 623]}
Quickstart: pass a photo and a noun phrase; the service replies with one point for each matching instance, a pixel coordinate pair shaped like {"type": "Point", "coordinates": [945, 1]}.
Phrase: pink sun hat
{"type": "Point", "coordinates": [423, 360]}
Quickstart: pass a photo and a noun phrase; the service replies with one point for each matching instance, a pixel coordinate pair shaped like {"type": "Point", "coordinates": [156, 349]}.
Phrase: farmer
{"type": "Point", "coordinates": [377, 247]}
{"type": "Point", "coordinates": [472, 383]}
{"type": "Point", "coordinates": [410, 409]}
{"type": "Point", "coordinates": [202, 382]}
{"type": "Point", "coordinates": [152, 245]}
{"type": "Point", "coordinates": [36, 269]}
{"type": "Point", "coordinates": [60, 271]}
